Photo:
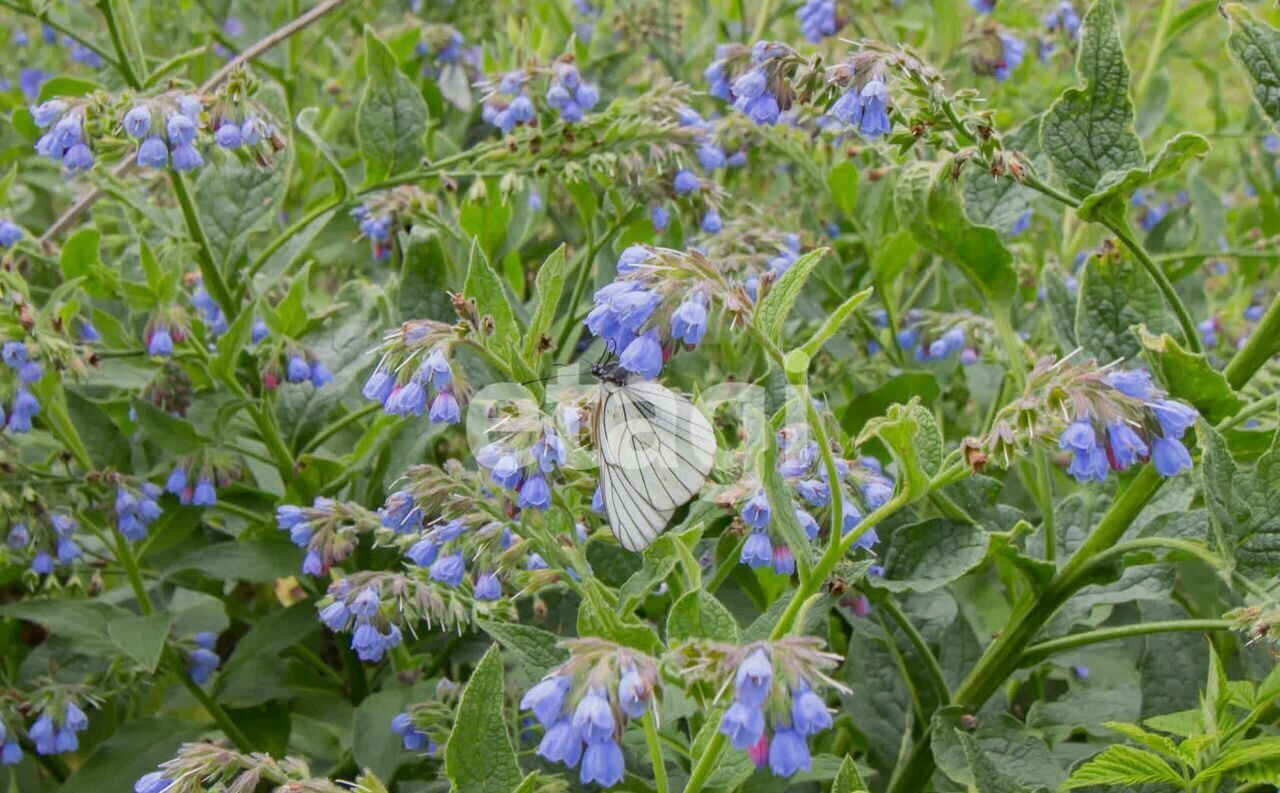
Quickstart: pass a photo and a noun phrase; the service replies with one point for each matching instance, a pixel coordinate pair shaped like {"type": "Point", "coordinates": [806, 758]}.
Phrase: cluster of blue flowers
{"type": "Point", "coordinates": [65, 549]}
{"type": "Point", "coordinates": [10, 233]}
{"type": "Point", "coordinates": [65, 141]}
{"type": "Point", "coordinates": [944, 346]}
{"type": "Point", "coordinates": [199, 494]}
{"type": "Point", "coordinates": [625, 312]}
{"type": "Point", "coordinates": [54, 733]}
{"type": "Point", "coordinates": [528, 482]}
{"type": "Point", "coordinates": [864, 107]}
{"type": "Point", "coordinates": [360, 612]}
{"type": "Point", "coordinates": [1103, 438]}
{"type": "Point", "coordinates": [378, 226]}
{"type": "Point", "coordinates": [753, 92]}
{"type": "Point", "coordinates": [136, 510]}
{"type": "Point", "coordinates": [442, 44]}
{"type": "Point", "coordinates": [209, 310]}
{"type": "Point", "coordinates": [584, 719]}
{"type": "Point", "coordinates": [303, 367]}
{"type": "Point", "coordinates": [179, 125]}
{"type": "Point", "coordinates": [711, 157]}
{"type": "Point", "coordinates": [1012, 52]}
{"type": "Point", "coordinates": [817, 19]}
{"type": "Point", "coordinates": [795, 715]}
{"type": "Point", "coordinates": [1063, 17]}
{"type": "Point", "coordinates": [302, 524]}
{"type": "Point", "coordinates": [441, 554]}
{"type": "Point", "coordinates": [160, 337]}
{"type": "Point", "coordinates": [568, 94]}
{"type": "Point", "coordinates": [806, 477]}
{"type": "Point", "coordinates": [24, 406]}
{"type": "Point", "coordinates": [510, 105]}
{"type": "Point", "coordinates": [203, 661]}
{"type": "Point", "coordinates": [410, 397]}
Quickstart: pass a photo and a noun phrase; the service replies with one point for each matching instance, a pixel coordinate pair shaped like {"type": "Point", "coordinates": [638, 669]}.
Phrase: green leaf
{"type": "Point", "coordinates": [424, 269]}
{"type": "Point", "coordinates": [370, 723]}
{"type": "Point", "coordinates": [537, 650]}
{"type": "Point", "coordinates": [79, 259]}
{"type": "Point", "coordinates": [1114, 189]}
{"type": "Point", "coordinates": [141, 638]}
{"type": "Point", "coordinates": [231, 343]}
{"type": "Point", "coordinates": [254, 560]}
{"type": "Point", "coordinates": [304, 122]}
{"type": "Point", "coordinates": [291, 312]}
{"type": "Point", "coordinates": [169, 432]}
{"type": "Point", "coordinates": [1116, 294]}
{"type": "Point", "coordinates": [547, 288]}
{"type": "Point", "coordinates": [1244, 505]}
{"type": "Point", "coordinates": [392, 116]}
{"type": "Point", "coordinates": [84, 622]}
{"type": "Point", "coordinates": [66, 87]}
{"type": "Point", "coordinates": [1024, 757]}
{"type": "Point", "coordinates": [484, 286]}
{"type": "Point", "coordinates": [1252, 760]}
{"type": "Point", "coordinates": [1151, 740]}
{"type": "Point", "coordinates": [924, 556]}
{"type": "Point", "coordinates": [913, 441]}
{"type": "Point", "coordinates": [999, 203]}
{"type": "Point", "coordinates": [1256, 47]}
{"type": "Point", "coordinates": [1190, 377]}
{"type": "Point", "coordinates": [598, 617]}
{"type": "Point", "coordinates": [783, 517]}
{"type": "Point", "coordinates": [898, 389]}
{"type": "Point", "coordinates": [928, 204]}
{"type": "Point", "coordinates": [1123, 765]}
{"type": "Point", "coordinates": [848, 780]}
{"type": "Point", "coordinates": [699, 615]}
{"type": "Point", "coordinates": [135, 748]}
{"type": "Point", "coordinates": [1088, 131]}
{"type": "Point", "coordinates": [776, 305]}
{"type": "Point", "coordinates": [733, 768]}
{"type": "Point", "coordinates": [833, 322]}
{"type": "Point", "coordinates": [659, 560]}
{"type": "Point", "coordinates": [987, 777]}
{"type": "Point", "coordinates": [842, 181]}
{"type": "Point", "coordinates": [479, 756]}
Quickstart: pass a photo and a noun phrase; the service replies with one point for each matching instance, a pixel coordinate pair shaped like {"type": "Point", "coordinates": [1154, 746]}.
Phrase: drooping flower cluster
{"type": "Point", "coordinates": [384, 214]}
{"type": "Point", "coordinates": [193, 481]}
{"type": "Point", "coordinates": [206, 767]}
{"type": "Point", "coordinates": [937, 337]}
{"type": "Point", "coordinates": [10, 750]}
{"type": "Point", "coordinates": [1105, 419]}
{"type": "Point", "coordinates": [202, 661]}
{"type": "Point", "coordinates": [568, 94]}
{"type": "Point", "coordinates": [166, 329]}
{"type": "Point", "coordinates": [442, 44]}
{"type": "Point", "coordinates": [520, 466]}
{"type": "Point", "coordinates": [56, 729]}
{"type": "Point", "coordinates": [166, 127]}
{"type": "Point", "coordinates": [329, 530]}
{"type": "Point", "coordinates": [208, 309]}
{"type": "Point", "coordinates": [10, 233]}
{"type": "Point", "coordinates": [777, 704]}
{"type": "Point", "coordinates": [507, 105]}
{"type": "Point", "coordinates": [658, 303]}
{"type": "Point", "coordinates": [817, 19]}
{"type": "Point", "coordinates": [23, 406]}
{"type": "Point", "coordinates": [300, 366]}
{"type": "Point", "coordinates": [762, 92]}
{"type": "Point", "coordinates": [136, 509]}
{"type": "Point", "coordinates": [1012, 52]}
{"type": "Point", "coordinates": [415, 372]}
{"type": "Point", "coordinates": [864, 101]}
{"type": "Point", "coordinates": [50, 542]}
{"type": "Point", "coordinates": [585, 703]}
{"type": "Point", "coordinates": [65, 142]}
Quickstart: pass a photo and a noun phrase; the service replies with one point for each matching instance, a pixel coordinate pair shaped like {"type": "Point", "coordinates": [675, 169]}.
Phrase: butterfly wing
{"type": "Point", "coordinates": [655, 450]}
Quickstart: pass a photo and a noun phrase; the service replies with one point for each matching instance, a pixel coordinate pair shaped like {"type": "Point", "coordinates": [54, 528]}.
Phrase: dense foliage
{"type": "Point", "coordinates": [311, 319]}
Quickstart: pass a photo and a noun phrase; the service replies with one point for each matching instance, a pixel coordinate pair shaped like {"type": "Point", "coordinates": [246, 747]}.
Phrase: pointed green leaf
{"type": "Point", "coordinates": [305, 123]}
{"type": "Point", "coordinates": [833, 322]}
{"type": "Point", "coordinates": [848, 780]}
{"type": "Point", "coordinates": [1244, 505]}
{"type": "Point", "coordinates": [924, 556]}
{"type": "Point", "coordinates": [699, 615]}
{"type": "Point", "coordinates": [1256, 46]}
{"type": "Point", "coordinates": [1116, 294]}
{"type": "Point", "coordinates": [911, 439]}
{"type": "Point", "coordinates": [547, 288]}
{"type": "Point", "coordinates": [987, 777]}
{"type": "Point", "coordinates": [392, 116]}
{"type": "Point", "coordinates": [1190, 377]}
{"type": "Point", "coordinates": [479, 757]}
{"type": "Point", "coordinates": [1088, 131]}
{"type": "Point", "coordinates": [537, 650]}
{"type": "Point", "coordinates": [776, 305]}
{"type": "Point", "coordinates": [141, 638]}
{"type": "Point", "coordinates": [484, 286]}
{"type": "Point", "coordinates": [1114, 189]}
{"type": "Point", "coordinates": [1123, 765]}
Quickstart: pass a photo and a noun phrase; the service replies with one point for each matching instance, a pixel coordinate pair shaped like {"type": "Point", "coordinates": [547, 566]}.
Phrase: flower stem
{"type": "Point", "coordinates": [123, 64]}
{"type": "Point", "coordinates": [1042, 650]}
{"type": "Point", "coordinates": [655, 752]}
{"type": "Point", "coordinates": [209, 272]}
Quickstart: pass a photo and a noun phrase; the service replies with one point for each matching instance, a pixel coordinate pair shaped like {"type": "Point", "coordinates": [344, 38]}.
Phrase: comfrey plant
{"type": "Point", "coordinates": [677, 397]}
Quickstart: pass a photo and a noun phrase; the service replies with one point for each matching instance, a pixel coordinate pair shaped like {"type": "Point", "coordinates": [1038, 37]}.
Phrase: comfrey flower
{"type": "Point", "coordinates": [415, 374]}
{"type": "Point", "coordinates": [411, 738]}
{"type": "Point", "coordinates": [508, 105]}
{"type": "Point", "coordinates": [1013, 50]}
{"type": "Point", "coordinates": [11, 233]}
{"type": "Point", "coordinates": [817, 19]}
{"type": "Point", "coordinates": [202, 662]}
{"type": "Point", "coordinates": [442, 44]}
{"type": "Point", "coordinates": [865, 107]}
{"type": "Point", "coordinates": [568, 94]}
{"type": "Point", "coordinates": [328, 530]}
{"type": "Point", "coordinates": [359, 609]}
{"type": "Point", "coordinates": [65, 141]}
{"type": "Point", "coordinates": [1063, 17]}
{"type": "Point", "coordinates": [585, 703]}
{"type": "Point", "coordinates": [209, 310]}
{"type": "Point", "coordinates": [383, 214]}
{"type": "Point", "coordinates": [198, 491]}
{"type": "Point", "coordinates": [754, 97]}
{"type": "Point", "coordinates": [525, 471]}
{"type": "Point", "coordinates": [776, 705]}
{"type": "Point", "coordinates": [56, 730]}
{"type": "Point", "coordinates": [135, 510]}
{"type": "Point", "coordinates": [10, 751]}
{"type": "Point", "coordinates": [15, 356]}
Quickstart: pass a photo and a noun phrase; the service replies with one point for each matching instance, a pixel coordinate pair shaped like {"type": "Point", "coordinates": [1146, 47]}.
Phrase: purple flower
{"type": "Point", "coordinates": [1126, 446]}
{"type": "Point", "coordinates": [807, 522]}
{"type": "Point", "coordinates": [297, 369]}
{"type": "Point", "coordinates": [711, 157]}
{"type": "Point", "coordinates": [784, 561]}
{"type": "Point", "coordinates": [335, 615]}
{"type": "Point", "coordinates": [561, 744]}
{"type": "Point", "coordinates": [534, 493]}
{"type": "Point", "coordinates": [228, 136]}
{"type": "Point", "coordinates": [788, 753]}
{"type": "Point", "coordinates": [876, 494]}
{"type": "Point", "coordinates": [152, 153]}
{"type": "Point", "coordinates": [160, 343]}
{"type": "Point", "coordinates": [506, 472]}
{"type": "Point", "coordinates": [78, 158]}
{"type": "Point", "coordinates": [1170, 457]}
{"type": "Point", "coordinates": [155, 782]}
{"type": "Point", "coordinates": [757, 551]}
{"type": "Point", "coordinates": [809, 714]}
{"type": "Point", "coordinates": [204, 495]}
{"type": "Point", "coordinates": [660, 217]}
{"type": "Point", "coordinates": [593, 718]}
{"type": "Point", "coordinates": [685, 182]}
{"type": "Point", "coordinates": [379, 385]}
{"type": "Point", "coordinates": [756, 511]}
{"type": "Point", "coordinates": [602, 763]}
{"type": "Point", "coordinates": [365, 604]}
{"type": "Point", "coordinates": [186, 158]}
{"type": "Point", "coordinates": [1078, 436]}
{"type": "Point", "coordinates": [643, 356]}
{"type": "Point", "coordinates": [181, 129]}
{"type": "Point", "coordinates": [320, 376]}
{"type": "Point", "coordinates": [633, 693]}
{"type": "Point", "coordinates": [137, 122]}
{"type": "Point", "coordinates": [10, 233]}
{"type": "Point", "coordinates": [632, 257]}
{"type": "Point", "coordinates": [423, 552]}
{"type": "Point", "coordinates": [444, 409]}
{"type": "Point", "coordinates": [1174, 417]}
{"type": "Point", "coordinates": [711, 222]}
{"type": "Point", "coordinates": [689, 320]}
{"type": "Point", "coordinates": [814, 491]}
{"type": "Point", "coordinates": [1089, 464]}
{"type": "Point", "coordinates": [487, 587]}
{"type": "Point", "coordinates": [874, 98]}
{"type": "Point", "coordinates": [448, 569]}
{"type": "Point", "coordinates": [754, 678]}
{"type": "Point", "coordinates": [743, 725]}
{"type": "Point", "coordinates": [546, 699]}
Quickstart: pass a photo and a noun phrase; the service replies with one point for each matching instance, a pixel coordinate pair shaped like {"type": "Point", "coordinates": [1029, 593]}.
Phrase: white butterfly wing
{"type": "Point", "coordinates": [655, 450]}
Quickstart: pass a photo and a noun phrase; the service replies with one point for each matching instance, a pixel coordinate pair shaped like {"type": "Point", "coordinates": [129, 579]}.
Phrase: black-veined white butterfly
{"type": "Point", "coordinates": [654, 450]}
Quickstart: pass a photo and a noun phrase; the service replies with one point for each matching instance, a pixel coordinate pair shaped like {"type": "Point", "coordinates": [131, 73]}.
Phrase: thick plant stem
{"type": "Point", "coordinates": [936, 678]}
{"type": "Point", "coordinates": [123, 64]}
{"type": "Point", "coordinates": [1038, 652]}
{"type": "Point", "coordinates": [209, 272]}
{"type": "Point", "coordinates": [1262, 344]}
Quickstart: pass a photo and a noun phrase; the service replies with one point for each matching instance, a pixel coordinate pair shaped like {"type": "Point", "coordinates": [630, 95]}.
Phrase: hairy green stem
{"type": "Point", "coordinates": [890, 606]}
{"type": "Point", "coordinates": [1262, 344]}
{"type": "Point", "coordinates": [124, 66]}
{"type": "Point", "coordinates": [209, 272]}
{"type": "Point", "coordinates": [655, 752]}
{"type": "Point", "coordinates": [1036, 653]}
{"type": "Point", "coordinates": [339, 425]}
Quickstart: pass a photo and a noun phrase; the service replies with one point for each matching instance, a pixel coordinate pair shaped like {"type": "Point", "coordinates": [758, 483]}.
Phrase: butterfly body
{"type": "Point", "coordinates": [654, 450]}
